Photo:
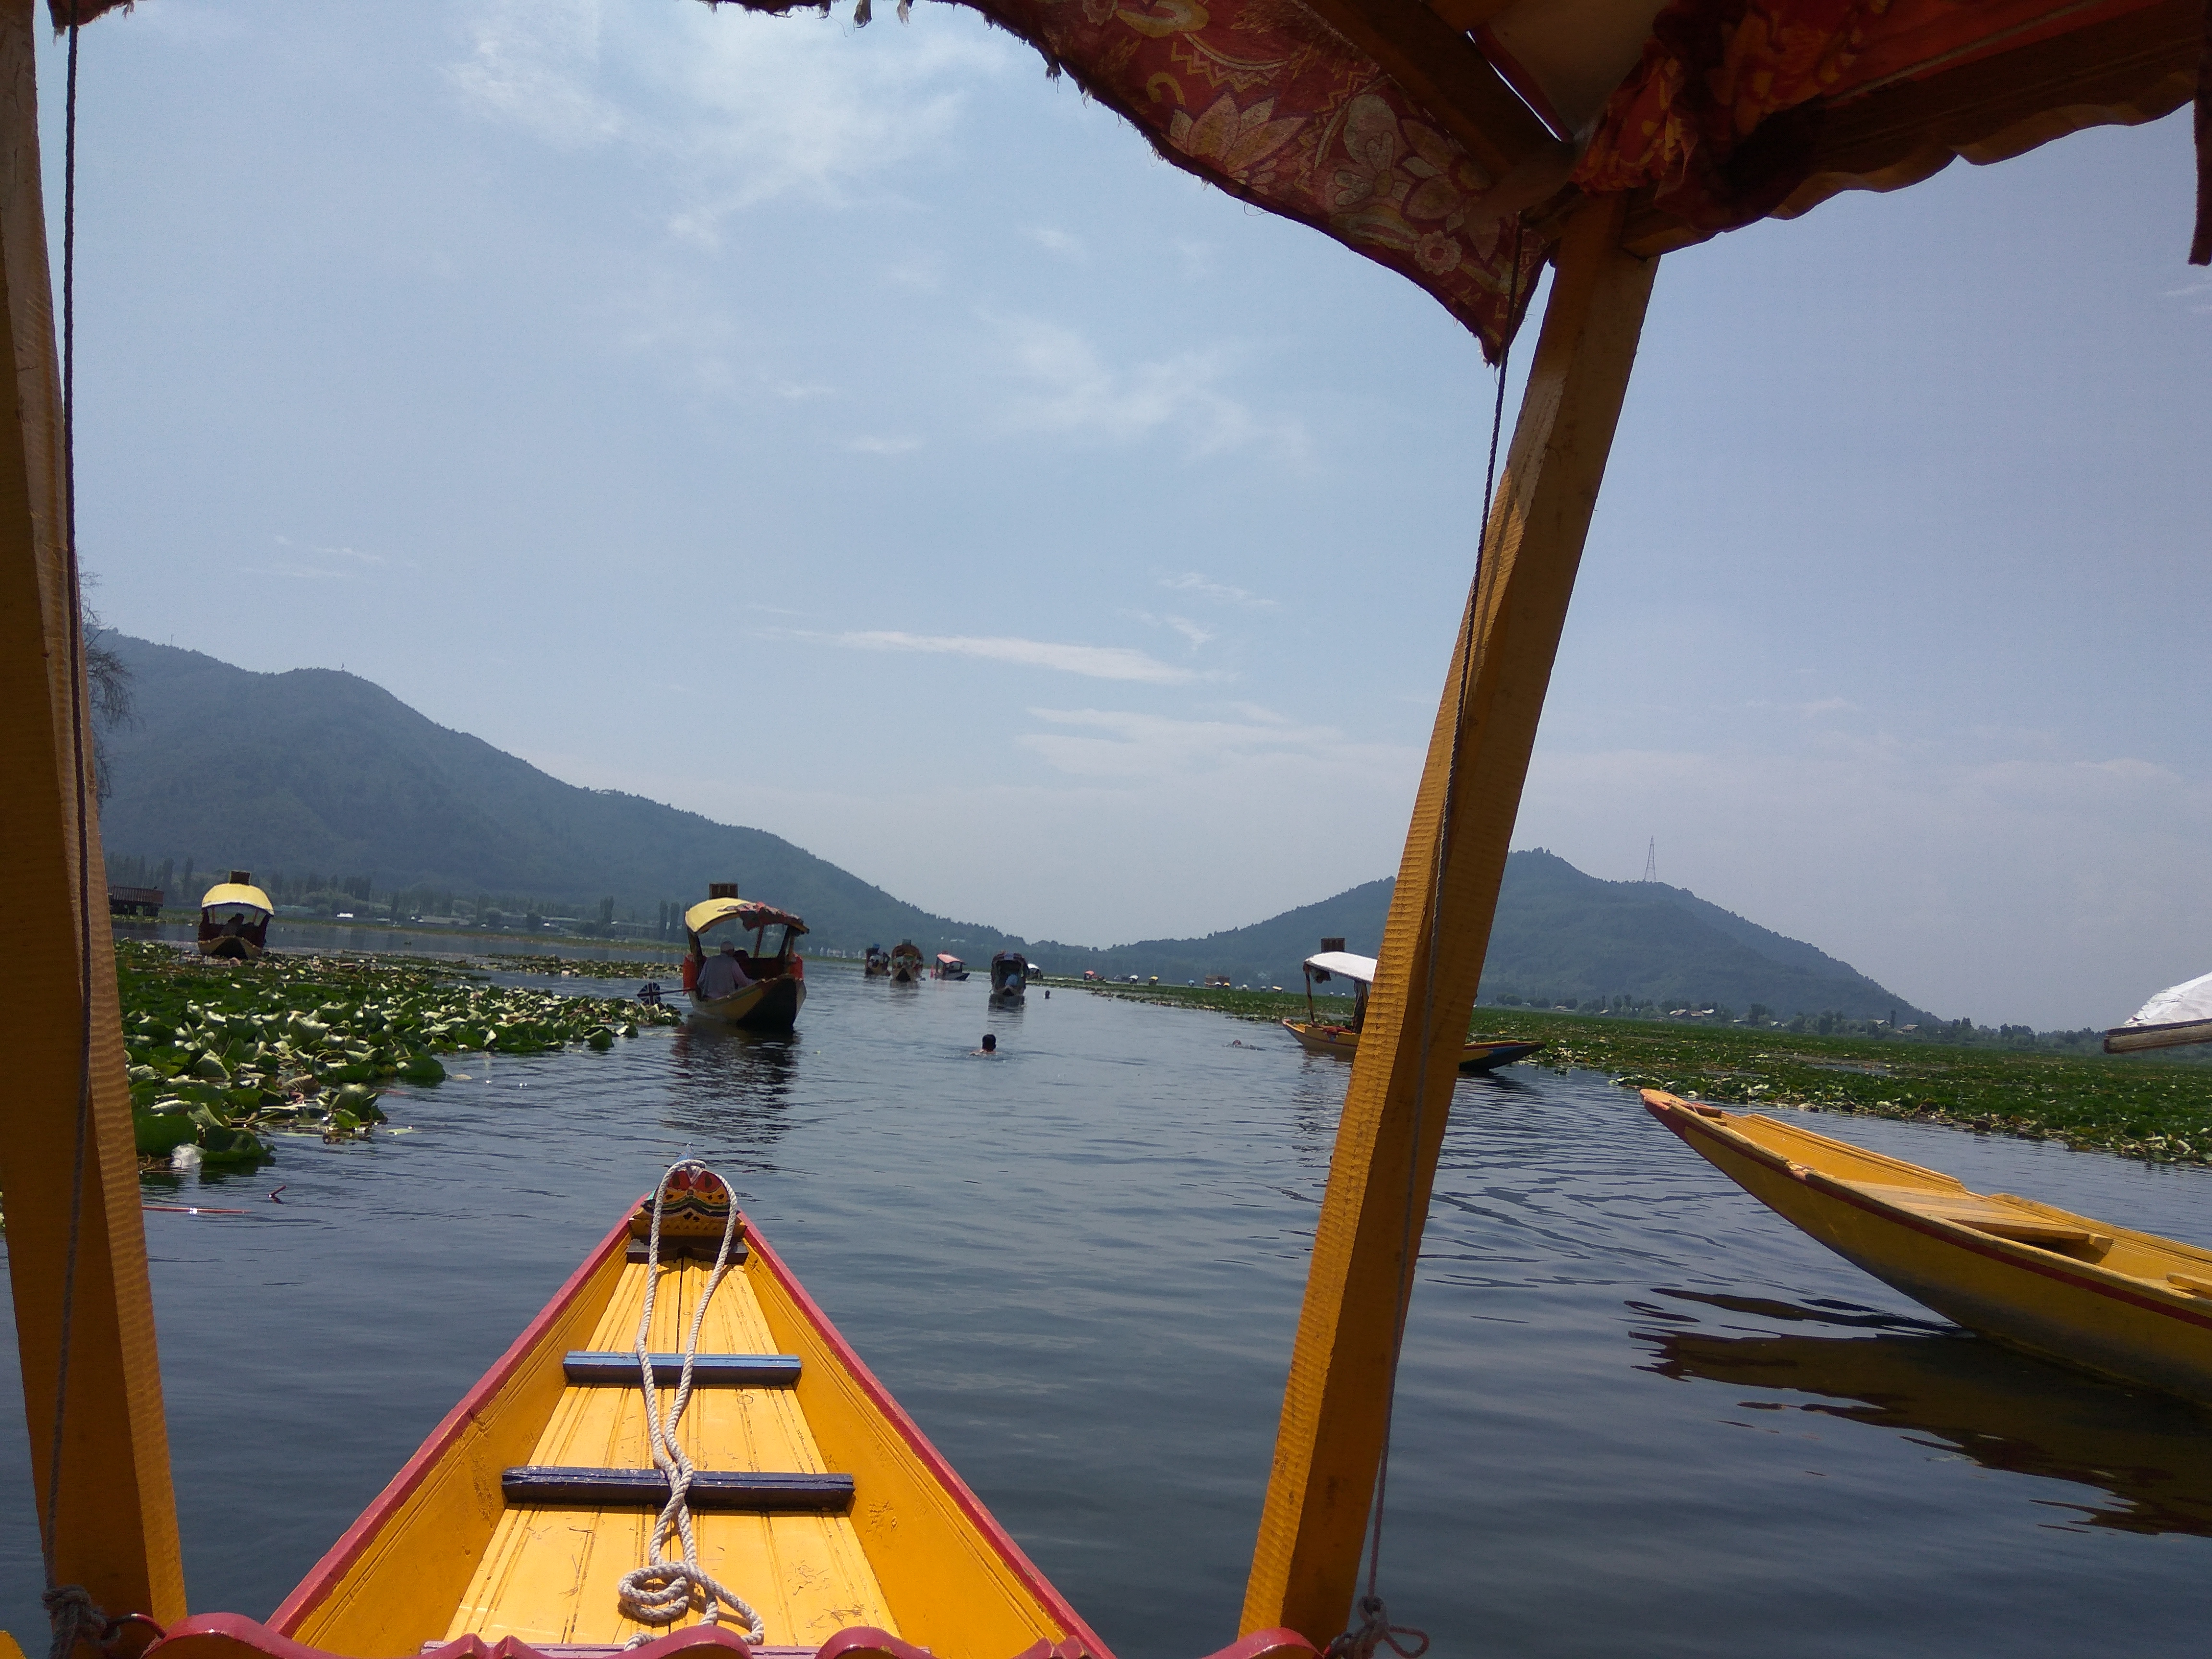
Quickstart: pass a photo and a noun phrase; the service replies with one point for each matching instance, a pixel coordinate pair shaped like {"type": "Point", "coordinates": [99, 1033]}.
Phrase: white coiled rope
{"type": "Point", "coordinates": [667, 1587]}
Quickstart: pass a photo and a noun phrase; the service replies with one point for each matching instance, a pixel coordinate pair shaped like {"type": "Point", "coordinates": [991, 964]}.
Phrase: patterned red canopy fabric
{"type": "Point", "coordinates": [1261, 99]}
{"type": "Point", "coordinates": [1720, 116]}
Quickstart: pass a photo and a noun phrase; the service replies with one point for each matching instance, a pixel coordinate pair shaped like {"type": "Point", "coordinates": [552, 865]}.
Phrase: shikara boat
{"type": "Point", "coordinates": [2126, 1304]}
{"type": "Point", "coordinates": [235, 918]}
{"type": "Point", "coordinates": [948, 967]}
{"type": "Point", "coordinates": [773, 983]}
{"type": "Point", "coordinates": [818, 1500]}
{"type": "Point", "coordinates": [1009, 978]}
{"type": "Point", "coordinates": [877, 964]}
{"type": "Point", "coordinates": [906, 963]}
{"type": "Point", "coordinates": [1317, 1035]}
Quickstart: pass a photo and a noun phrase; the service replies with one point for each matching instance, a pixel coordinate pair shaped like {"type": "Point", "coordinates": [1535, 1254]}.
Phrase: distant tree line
{"type": "Point", "coordinates": [329, 894]}
{"type": "Point", "coordinates": [1828, 1023]}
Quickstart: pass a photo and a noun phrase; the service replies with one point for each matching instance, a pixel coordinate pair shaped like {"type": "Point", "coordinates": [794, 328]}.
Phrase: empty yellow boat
{"type": "Point", "coordinates": [2128, 1305]}
{"type": "Point", "coordinates": [816, 1500]}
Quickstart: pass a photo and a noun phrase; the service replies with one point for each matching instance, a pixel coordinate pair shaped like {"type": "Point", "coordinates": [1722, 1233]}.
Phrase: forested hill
{"type": "Point", "coordinates": [1560, 936]}
{"type": "Point", "coordinates": [317, 780]}
{"type": "Point", "coordinates": [317, 775]}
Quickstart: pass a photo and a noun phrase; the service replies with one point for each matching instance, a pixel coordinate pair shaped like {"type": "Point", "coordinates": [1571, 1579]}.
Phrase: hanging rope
{"type": "Point", "coordinates": [663, 1590]}
{"type": "Point", "coordinates": [1375, 1627]}
{"type": "Point", "coordinates": [69, 1608]}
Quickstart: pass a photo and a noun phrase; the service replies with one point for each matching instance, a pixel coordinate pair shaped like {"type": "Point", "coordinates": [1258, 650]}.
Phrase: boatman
{"type": "Point", "coordinates": [723, 975]}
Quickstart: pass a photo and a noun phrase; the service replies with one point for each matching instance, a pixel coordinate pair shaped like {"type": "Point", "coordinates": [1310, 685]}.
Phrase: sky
{"type": "Point", "coordinates": [855, 434]}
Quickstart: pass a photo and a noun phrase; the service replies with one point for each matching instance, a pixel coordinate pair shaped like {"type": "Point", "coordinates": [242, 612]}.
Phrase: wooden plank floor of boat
{"type": "Point", "coordinates": [549, 1575]}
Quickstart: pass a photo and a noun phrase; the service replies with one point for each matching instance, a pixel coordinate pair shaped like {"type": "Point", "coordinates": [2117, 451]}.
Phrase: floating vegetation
{"type": "Point", "coordinates": [2146, 1106]}
{"type": "Point", "coordinates": [638, 969]}
{"type": "Point", "coordinates": [222, 1055]}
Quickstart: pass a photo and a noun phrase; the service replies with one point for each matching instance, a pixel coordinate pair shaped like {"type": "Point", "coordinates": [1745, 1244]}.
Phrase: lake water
{"type": "Point", "coordinates": [1639, 1414]}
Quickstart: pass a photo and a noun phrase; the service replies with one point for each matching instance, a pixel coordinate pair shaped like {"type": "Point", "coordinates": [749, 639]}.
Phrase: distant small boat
{"type": "Point", "coordinates": [906, 963]}
{"type": "Point", "coordinates": [2178, 1015]}
{"type": "Point", "coordinates": [1009, 978]}
{"type": "Point", "coordinates": [234, 919]}
{"type": "Point", "coordinates": [2128, 1305]}
{"type": "Point", "coordinates": [877, 964]}
{"type": "Point", "coordinates": [948, 967]}
{"type": "Point", "coordinates": [762, 990]}
{"type": "Point", "coordinates": [1319, 1037]}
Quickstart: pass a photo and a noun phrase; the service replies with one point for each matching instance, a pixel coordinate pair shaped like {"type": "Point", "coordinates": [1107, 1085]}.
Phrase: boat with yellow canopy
{"type": "Point", "coordinates": [906, 964]}
{"type": "Point", "coordinates": [2128, 1305]}
{"type": "Point", "coordinates": [234, 919]}
{"type": "Point", "coordinates": [1317, 1035]}
{"type": "Point", "coordinates": [758, 989]}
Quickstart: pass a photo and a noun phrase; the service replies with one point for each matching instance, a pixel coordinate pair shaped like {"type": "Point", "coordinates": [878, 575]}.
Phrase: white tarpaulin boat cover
{"type": "Point", "coordinates": [1361, 969]}
{"type": "Point", "coordinates": [2180, 1013]}
{"type": "Point", "coordinates": [2178, 1004]}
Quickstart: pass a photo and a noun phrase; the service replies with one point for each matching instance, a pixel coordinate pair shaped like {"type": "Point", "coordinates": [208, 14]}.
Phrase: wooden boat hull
{"type": "Point", "coordinates": [902, 974]}
{"type": "Point", "coordinates": [1319, 1037]}
{"type": "Point", "coordinates": [441, 1557]}
{"type": "Point", "coordinates": [231, 948]}
{"type": "Point", "coordinates": [767, 1005]}
{"type": "Point", "coordinates": [2067, 1287]}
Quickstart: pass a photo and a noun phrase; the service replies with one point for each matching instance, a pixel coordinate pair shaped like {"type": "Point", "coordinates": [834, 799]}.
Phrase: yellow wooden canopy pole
{"type": "Point", "coordinates": [115, 1527]}
{"type": "Point", "coordinates": [1305, 1566]}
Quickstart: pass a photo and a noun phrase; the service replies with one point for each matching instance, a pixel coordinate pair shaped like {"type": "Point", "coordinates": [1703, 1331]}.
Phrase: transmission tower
{"type": "Point", "coordinates": [1651, 860]}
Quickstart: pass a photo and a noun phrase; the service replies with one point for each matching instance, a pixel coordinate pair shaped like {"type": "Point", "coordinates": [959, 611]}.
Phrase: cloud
{"type": "Point", "coordinates": [1066, 388]}
{"type": "Point", "coordinates": [310, 562]}
{"type": "Point", "coordinates": [1107, 743]}
{"type": "Point", "coordinates": [750, 108]}
{"type": "Point", "coordinates": [884, 446]}
{"type": "Point", "coordinates": [532, 63]}
{"type": "Point", "coordinates": [1192, 632]}
{"type": "Point", "coordinates": [1059, 242]}
{"type": "Point", "coordinates": [1101, 662]}
{"type": "Point", "coordinates": [1192, 582]}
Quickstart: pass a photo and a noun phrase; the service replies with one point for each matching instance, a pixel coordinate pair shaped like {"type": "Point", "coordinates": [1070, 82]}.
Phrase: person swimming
{"type": "Point", "coordinates": [990, 1048]}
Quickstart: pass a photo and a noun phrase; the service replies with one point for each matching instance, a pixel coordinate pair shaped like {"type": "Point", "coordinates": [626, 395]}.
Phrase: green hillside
{"type": "Point", "coordinates": [336, 795]}
{"type": "Point", "coordinates": [1559, 937]}
{"type": "Point", "coordinates": [317, 780]}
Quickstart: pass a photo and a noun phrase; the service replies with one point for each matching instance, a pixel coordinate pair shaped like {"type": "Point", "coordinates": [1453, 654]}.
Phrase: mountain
{"type": "Point", "coordinates": [320, 782]}
{"type": "Point", "coordinates": [1559, 937]}
{"type": "Point", "coordinates": [318, 776]}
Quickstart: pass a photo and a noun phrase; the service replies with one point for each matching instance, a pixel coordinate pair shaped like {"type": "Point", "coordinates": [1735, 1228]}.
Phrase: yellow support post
{"type": "Point", "coordinates": [114, 1528]}
{"type": "Point", "coordinates": [1305, 1565]}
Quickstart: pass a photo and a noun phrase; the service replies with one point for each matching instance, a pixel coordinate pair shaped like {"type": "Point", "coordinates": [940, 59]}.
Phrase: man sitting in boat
{"type": "Point", "coordinates": [723, 975]}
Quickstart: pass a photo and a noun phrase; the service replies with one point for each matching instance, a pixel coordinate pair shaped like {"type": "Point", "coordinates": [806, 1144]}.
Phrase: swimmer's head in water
{"type": "Point", "coordinates": [990, 1043]}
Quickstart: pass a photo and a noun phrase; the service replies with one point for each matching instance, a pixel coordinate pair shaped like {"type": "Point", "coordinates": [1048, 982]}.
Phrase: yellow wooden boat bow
{"type": "Point", "coordinates": [818, 1500]}
{"type": "Point", "coordinates": [2128, 1305]}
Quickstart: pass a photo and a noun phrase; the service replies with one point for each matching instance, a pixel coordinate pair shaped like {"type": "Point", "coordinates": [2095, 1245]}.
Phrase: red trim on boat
{"type": "Point", "coordinates": [324, 1577]}
{"type": "Point", "coordinates": [1010, 1551]}
{"type": "Point", "coordinates": [228, 1636]}
{"type": "Point", "coordinates": [1683, 1121]}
